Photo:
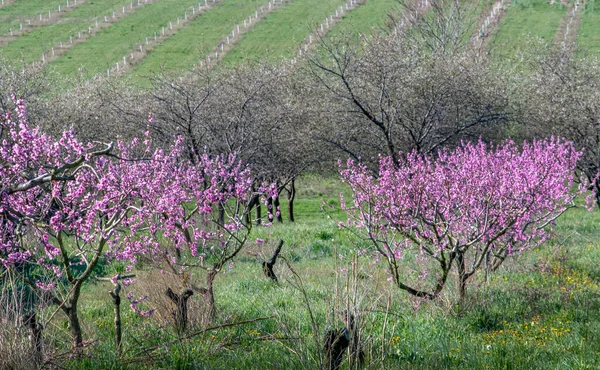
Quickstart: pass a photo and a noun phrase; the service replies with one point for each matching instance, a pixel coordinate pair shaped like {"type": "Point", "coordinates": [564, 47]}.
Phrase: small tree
{"type": "Point", "coordinates": [62, 205]}
{"type": "Point", "coordinates": [467, 209]}
{"type": "Point", "coordinates": [192, 219]}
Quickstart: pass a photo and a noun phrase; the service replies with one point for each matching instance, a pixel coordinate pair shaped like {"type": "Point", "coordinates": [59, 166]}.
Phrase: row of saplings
{"type": "Point", "coordinates": [65, 203]}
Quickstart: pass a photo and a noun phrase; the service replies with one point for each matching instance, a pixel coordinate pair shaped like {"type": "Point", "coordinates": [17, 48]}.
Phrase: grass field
{"type": "Point", "coordinates": [21, 10]}
{"type": "Point", "coordinates": [182, 51]}
{"type": "Point", "coordinates": [30, 46]}
{"type": "Point", "coordinates": [110, 45]}
{"type": "Point", "coordinates": [524, 20]}
{"type": "Point", "coordinates": [540, 311]}
{"type": "Point", "coordinates": [369, 17]}
{"type": "Point", "coordinates": [281, 33]}
{"type": "Point", "coordinates": [275, 37]}
{"type": "Point", "coordinates": [588, 38]}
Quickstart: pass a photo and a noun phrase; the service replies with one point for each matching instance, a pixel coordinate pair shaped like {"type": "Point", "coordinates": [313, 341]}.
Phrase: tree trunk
{"type": "Point", "coordinates": [74, 325]}
{"type": "Point", "coordinates": [71, 312]}
{"type": "Point", "coordinates": [221, 214]}
{"type": "Point", "coordinates": [181, 309]}
{"type": "Point", "coordinates": [445, 267]}
{"type": "Point", "coordinates": [291, 198]}
{"type": "Point", "coordinates": [462, 276]}
{"type": "Point", "coordinates": [117, 307]}
{"type": "Point", "coordinates": [258, 214]}
{"type": "Point", "coordinates": [277, 209]}
{"type": "Point", "coordinates": [597, 192]}
{"type": "Point", "coordinates": [270, 210]}
{"type": "Point", "coordinates": [254, 202]}
{"type": "Point", "coordinates": [209, 295]}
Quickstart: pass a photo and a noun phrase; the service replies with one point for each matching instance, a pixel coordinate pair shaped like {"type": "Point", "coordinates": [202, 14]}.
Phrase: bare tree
{"type": "Point", "coordinates": [563, 99]}
{"type": "Point", "coordinates": [251, 110]}
{"type": "Point", "coordinates": [28, 82]}
{"type": "Point", "coordinates": [419, 88]}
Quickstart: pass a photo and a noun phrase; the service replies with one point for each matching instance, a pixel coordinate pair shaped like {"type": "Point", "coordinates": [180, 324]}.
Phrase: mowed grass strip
{"type": "Point", "coordinates": [180, 52]}
{"type": "Point", "coordinates": [523, 20]}
{"type": "Point", "coordinates": [98, 53]}
{"type": "Point", "coordinates": [30, 46]}
{"type": "Point", "coordinates": [588, 38]}
{"type": "Point", "coordinates": [369, 17]}
{"type": "Point", "coordinates": [22, 10]}
{"type": "Point", "coordinates": [282, 32]}
{"type": "Point", "coordinates": [6, 3]}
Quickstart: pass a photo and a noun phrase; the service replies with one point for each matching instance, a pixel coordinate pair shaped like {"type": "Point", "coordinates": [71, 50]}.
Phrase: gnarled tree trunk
{"type": "Point", "coordinates": [181, 308]}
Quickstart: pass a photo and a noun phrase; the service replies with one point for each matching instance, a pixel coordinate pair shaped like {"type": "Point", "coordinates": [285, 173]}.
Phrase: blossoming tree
{"type": "Point", "coordinates": [192, 219]}
{"type": "Point", "coordinates": [467, 209]}
{"type": "Point", "coordinates": [62, 206]}
{"type": "Point", "coordinates": [65, 206]}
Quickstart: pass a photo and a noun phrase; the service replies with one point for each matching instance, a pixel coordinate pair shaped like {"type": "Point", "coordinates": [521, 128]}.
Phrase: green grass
{"type": "Point", "coordinates": [22, 10]}
{"type": "Point", "coordinates": [29, 47]}
{"type": "Point", "coordinates": [373, 16]}
{"type": "Point", "coordinates": [526, 19]}
{"type": "Point", "coordinates": [369, 17]}
{"type": "Point", "coordinates": [110, 45]}
{"type": "Point", "coordinates": [588, 38]}
{"type": "Point", "coordinates": [281, 33]}
{"type": "Point", "coordinates": [540, 311]}
{"type": "Point", "coordinates": [180, 52]}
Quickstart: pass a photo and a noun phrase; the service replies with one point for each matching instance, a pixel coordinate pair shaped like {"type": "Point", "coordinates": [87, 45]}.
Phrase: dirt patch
{"type": "Point", "coordinates": [567, 30]}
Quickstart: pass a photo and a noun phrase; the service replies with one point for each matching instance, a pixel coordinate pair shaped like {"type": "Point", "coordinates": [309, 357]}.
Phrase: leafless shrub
{"type": "Point", "coordinates": [563, 99]}
{"type": "Point", "coordinates": [17, 346]}
{"type": "Point", "coordinates": [357, 303]}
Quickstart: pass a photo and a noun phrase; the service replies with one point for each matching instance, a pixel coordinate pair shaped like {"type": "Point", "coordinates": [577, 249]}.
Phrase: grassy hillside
{"type": "Point", "coordinates": [369, 17]}
{"type": "Point", "coordinates": [30, 46]}
{"type": "Point", "coordinates": [526, 19]}
{"type": "Point", "coordinates": [276, 36]}
{"type": "Point", "coordinates": [187, 47]}
{"type": "Point", "coordinates": [22, 10]}
{"type": "Point", "coordinates": [588, 38]}
{"type": "Point", "coordinates": [110, 45]}
{"type": "Point", "coordinates": [280, 34]}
